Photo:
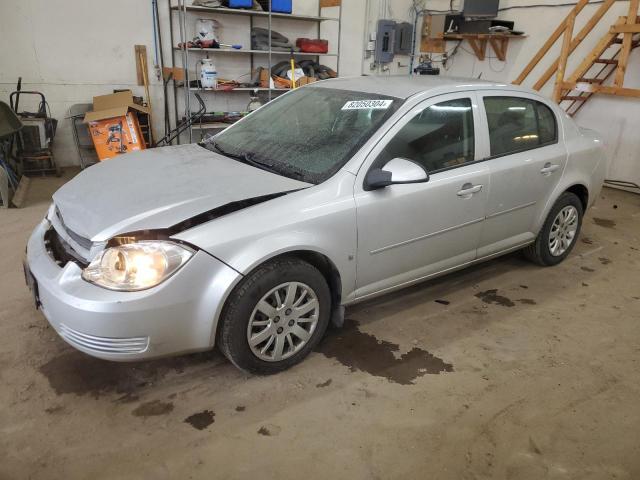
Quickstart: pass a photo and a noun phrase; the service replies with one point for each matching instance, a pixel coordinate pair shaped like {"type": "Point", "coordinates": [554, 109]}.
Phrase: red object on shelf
{"type": "Point", "coordinates": [309, 45]}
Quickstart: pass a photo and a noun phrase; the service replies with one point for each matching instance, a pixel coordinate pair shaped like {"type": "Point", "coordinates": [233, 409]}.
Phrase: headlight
{"type": "Point", "coordinates": [136, 266]}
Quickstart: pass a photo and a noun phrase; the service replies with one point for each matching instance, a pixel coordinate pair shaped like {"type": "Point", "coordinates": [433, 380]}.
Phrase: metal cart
{"type": "Point", "coordinates": [34, 141]}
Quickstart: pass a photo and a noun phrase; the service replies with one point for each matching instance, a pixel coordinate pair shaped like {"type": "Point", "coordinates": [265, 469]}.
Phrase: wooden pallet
{"type": "Point", "coordinates": [610, 56]}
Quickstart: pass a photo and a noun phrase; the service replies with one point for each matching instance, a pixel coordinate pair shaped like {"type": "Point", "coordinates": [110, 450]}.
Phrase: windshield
{"type": "Point", "coordinates": [308, 134]}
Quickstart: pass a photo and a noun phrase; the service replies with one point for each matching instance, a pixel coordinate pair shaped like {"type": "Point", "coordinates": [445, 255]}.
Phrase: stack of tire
{"type": "Point", "coordinates": [310, 68]}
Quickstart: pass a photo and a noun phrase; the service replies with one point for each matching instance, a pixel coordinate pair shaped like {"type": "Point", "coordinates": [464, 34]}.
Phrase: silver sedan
{"type": "Point", "coordinates": [256, 239]}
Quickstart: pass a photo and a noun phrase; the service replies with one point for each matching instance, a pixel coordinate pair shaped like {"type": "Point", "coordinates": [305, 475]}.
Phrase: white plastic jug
{"type": "Point", "coordinates": [208, 74]}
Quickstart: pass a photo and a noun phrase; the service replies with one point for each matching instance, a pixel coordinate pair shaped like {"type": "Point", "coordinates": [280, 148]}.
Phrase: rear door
{"type": "Point", "coordinates": [526, 159]}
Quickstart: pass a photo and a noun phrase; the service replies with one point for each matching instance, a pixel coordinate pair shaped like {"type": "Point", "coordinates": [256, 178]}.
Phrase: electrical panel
{"type": "Point", "coordinates": [385, 37]}
{"type": "Point", "coordinates": [403, 36]}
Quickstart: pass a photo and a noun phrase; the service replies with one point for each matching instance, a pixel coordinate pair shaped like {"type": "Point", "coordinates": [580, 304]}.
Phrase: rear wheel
{"type": "Point", "coordinates": [559, 232]}
{"type": "Point", "coordinates": [275, 316]}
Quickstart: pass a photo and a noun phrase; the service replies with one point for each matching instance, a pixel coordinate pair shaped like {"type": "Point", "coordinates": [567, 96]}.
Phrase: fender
{"type": "Point", "coordinates": [320, 219]}
{"type": "Point", "coordinates": [586, 167]}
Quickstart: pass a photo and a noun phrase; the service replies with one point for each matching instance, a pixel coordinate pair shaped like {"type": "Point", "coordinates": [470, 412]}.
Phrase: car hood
{"type": "Point", "coordinates": [158, 188]}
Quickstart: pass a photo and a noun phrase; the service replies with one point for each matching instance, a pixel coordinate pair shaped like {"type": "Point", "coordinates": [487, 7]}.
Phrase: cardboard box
{"type": "Point", "coordinates": [114, 126]}
{"type": "Point", "coordinates": [175, 73]}
{"type": "Point", "coordinates": [305, 80]}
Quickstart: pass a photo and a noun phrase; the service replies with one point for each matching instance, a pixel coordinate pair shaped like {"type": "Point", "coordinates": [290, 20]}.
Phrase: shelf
{"type": "Point", "coordinates": [179, 13]}
{"type": "Point", "coordinates": [258, 52]}
{"type": "Point", "coordinates": [253, 13]}
{"type": "Point", "coordinates": [210, 126]}
{"type": "Point", "coordinates": [499, 42]}
{"type": "Point", "coordinates": [480, 36]}
{"type": "Point", "coordinates": [239, 89]}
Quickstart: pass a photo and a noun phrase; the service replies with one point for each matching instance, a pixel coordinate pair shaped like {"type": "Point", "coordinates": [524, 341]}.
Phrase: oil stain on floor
{"type": "Point", "coordinates": [492, 297]}
{"type": "Point", "coordinates": [76, 373]}
{"type": "Point", "coordinates": [363, 352]}
{"type": "Point", "coordinates": [153, 409]}
{"type": "Point", "coordinates": [269, 430]}
{"type": "Point", "coordinates": [604, 222]}
{"type": "Point", "coordinates": [201, 420]}
{"type": "Point", "coordinates": [527, 301]}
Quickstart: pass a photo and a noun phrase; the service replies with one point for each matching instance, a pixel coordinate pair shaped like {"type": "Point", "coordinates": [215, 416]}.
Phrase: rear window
{"type": "Point", "coordinates": [517, 124]}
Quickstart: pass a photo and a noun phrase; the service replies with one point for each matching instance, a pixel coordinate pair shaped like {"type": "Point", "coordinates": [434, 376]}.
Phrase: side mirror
{"type": "Point", "coordinates": [396, 171]}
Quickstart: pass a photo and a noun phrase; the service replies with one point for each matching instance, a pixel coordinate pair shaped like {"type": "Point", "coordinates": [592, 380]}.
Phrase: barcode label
{"type": "Point", "coordinates": [367, 105]}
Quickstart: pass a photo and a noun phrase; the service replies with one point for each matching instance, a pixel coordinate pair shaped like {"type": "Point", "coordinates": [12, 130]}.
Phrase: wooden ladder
{"type": "Point", "coordinates": [574, 91]}
{"type": "Point", "coordinates": [587, 80]}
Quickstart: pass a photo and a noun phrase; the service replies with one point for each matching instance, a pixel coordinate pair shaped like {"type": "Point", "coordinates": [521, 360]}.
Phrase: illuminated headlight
{"type": "Point", "coordinates": [136, 266]}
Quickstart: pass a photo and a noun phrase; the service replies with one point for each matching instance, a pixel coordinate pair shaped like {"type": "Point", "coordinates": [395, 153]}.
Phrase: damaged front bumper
{"type": "Point", "coordinates": [178, 316]}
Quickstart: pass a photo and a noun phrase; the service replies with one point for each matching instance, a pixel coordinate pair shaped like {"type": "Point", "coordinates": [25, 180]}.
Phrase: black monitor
{"type": "Point", "coordinates": [480, 8]}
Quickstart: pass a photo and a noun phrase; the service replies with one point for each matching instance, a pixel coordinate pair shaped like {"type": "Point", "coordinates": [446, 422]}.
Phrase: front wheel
{"type": "Point", "coordinates": [559, 233]}
{"type": "Point", "coordinates": [275, 316]}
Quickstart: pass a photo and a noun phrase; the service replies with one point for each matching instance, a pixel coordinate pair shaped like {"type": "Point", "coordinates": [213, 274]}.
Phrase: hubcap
{"type": "Point", "coordinates": [563, 230]}
{"type": "Point", "coordinates": [283, 321]}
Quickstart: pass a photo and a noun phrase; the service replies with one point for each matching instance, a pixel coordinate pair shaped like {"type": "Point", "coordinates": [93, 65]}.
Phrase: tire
{"type": "Point", "coordinates": [541, 251]}
{"type": "Point", "coordinates": [252, 312]}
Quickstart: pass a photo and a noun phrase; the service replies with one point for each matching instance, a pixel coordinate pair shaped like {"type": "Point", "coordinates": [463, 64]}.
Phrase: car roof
{"type": "Point", "coordinates": [404, 86]}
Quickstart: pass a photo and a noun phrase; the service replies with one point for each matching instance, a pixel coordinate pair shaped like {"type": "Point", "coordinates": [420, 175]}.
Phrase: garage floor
{"type": "Point", "coordinates": [506, 370]}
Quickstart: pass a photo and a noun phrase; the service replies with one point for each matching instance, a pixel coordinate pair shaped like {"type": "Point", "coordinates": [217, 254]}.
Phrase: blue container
{"type": "Point", "coordinates": [277, 6]}
{"type": "Point", "coordinates": [240, 3]}
{"type": "Point", "coordinates": [281, 6]}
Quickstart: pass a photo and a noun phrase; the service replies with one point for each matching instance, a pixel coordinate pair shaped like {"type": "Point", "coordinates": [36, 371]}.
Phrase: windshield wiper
{"type": "Point", "coordinates": [247, 158]}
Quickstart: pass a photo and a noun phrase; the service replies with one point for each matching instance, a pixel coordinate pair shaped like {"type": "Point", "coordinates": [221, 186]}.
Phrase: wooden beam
{"type": "Point", "coordinates": [479, 46]}
{"type": "Point", "coordinates": [618, 91]}
{"type": "Point", "coordinates": [576, 98]}
{"type": "Point", "coordinates": [500, 46]}
{"type": "Point", "coordinates": [429, 43]}
{"type": "Point", "coordinates": [626, 44]}
{"type": "Point", "coordinates": [627, 28]}
{"type": "Point", "coordinates": [569, 85]}
{"type": "Point", "coordinates": [564, 55]}
{"type": "Point", "coordinates": [548, 44]}
{"type": "Point", "coordinates": [588, 27]}
{"type": "Point", "coordinates": [141, 53]}
{"type": "Point", "coordinates": [597, 51]}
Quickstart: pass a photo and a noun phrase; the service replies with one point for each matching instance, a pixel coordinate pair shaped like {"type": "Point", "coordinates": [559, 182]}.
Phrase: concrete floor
{"type": "Point", "coordinates": [505, 370]}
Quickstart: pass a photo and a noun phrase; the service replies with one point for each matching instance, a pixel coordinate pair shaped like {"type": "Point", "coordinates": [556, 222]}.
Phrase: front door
{"type": "Point", "coordinates": [411, 231]}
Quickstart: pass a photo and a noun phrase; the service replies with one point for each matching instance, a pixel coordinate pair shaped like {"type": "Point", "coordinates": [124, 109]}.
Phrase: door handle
{"type": "Point", "coordinates": [469, 189]}
{"type": "Point", "coordinates": [549, 168]}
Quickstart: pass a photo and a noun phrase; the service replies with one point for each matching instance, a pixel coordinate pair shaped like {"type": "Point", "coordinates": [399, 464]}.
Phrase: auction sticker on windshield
{"type": "Point", "coordinates": [367, 105]}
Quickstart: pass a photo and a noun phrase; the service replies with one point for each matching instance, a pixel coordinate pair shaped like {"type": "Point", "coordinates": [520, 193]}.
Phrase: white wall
{"type": "Point", "coordinates": [72, 50]}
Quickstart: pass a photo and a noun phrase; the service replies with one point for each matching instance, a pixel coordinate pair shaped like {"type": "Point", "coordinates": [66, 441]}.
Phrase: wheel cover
{"type": "Point", "coordinates": [563, 230]}
{"type": "Point", "coordinates": [283, 321]}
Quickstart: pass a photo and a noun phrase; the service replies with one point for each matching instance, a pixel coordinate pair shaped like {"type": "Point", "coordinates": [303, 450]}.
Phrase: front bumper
{"type": "Point", "coordinates": [178, 316]}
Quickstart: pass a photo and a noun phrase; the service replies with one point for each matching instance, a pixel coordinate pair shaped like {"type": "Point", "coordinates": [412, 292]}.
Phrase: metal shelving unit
{"type": "Point", "coordinates": [251, 13]}
{"type": "Point", "coordinates": [257, 52]}
{"type": "Point", "coordinates": [178, 12]}
{"type": "Point", "coordinates": [238, 89]}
